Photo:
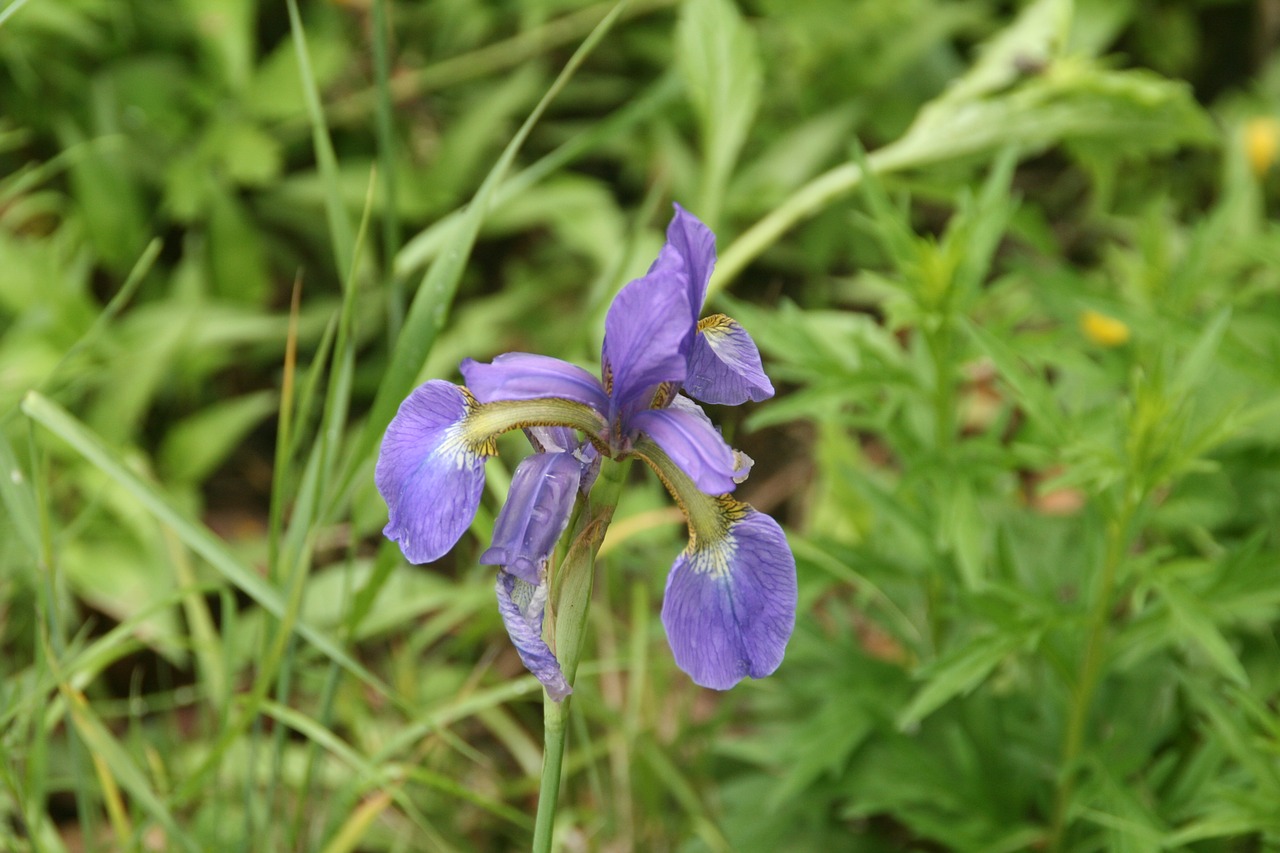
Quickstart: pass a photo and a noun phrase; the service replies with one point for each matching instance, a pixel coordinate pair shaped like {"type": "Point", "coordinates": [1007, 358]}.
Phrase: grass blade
{"type": "Point", "coordinates": [196, 536]}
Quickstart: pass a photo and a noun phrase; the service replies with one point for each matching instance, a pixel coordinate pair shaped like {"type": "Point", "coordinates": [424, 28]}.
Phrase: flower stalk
{"type": "Point", "coordinates": [572, 596]}
{"type": "Point", "coordinates": [1119, 535]}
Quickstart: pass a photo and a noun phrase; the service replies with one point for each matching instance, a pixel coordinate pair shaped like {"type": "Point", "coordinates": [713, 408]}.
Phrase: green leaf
{"type": "Point", "coordinates": [226, 32]}
{"type": "Point", "coordinates": [957, 672]}
{"type": "Point", "coordinates": [1192, 621]}
{"type": "Point", "coordinates": [123, 583]}
{"type": "Point", "coordinates": [195, 446]}
{"type": "Point", "coordinates": [717, 55]}
{"type": "Point", "coordinates": [276, 90]}
{"type": "Point", "coordinates": [19, 503]}
{"type": "Point", "coordinates": [237, 255]}
{"type": "Point", "coordinates": [1072, 99]}
{"type": "Point", "coordinates": [1038, 34]}
{"type": "Point", "coordinates": [108, 200]}
{"type": "Point", "coordinates": [1033, 393]}
{"type": "Point", "coordinates": [1195, 365]}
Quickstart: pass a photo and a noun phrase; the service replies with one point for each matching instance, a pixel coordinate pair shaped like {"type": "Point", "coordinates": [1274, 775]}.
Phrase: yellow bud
{"type": "Point", "coordinates": [1103, 330]}
{"type": "Point", "coordinates": [1261, 143]}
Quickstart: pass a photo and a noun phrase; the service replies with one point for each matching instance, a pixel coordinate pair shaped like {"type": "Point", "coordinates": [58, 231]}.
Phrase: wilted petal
{"type": "Point", "coordinates": [551, 439]}
{"type": "Point", "coordinates": [730, 603]}
{"type": "Point", "coordinates": [521, 605]}
{"type": "Point", "coordinates": [724, 365]}
{"type": "Point", "coordinates": [431, 471]}
{"type": "Point", "coordinates": [536, 512]}
{"type": "Point", "coordinates": [526, 376]}
{"type": "Point", "coordinates": [688, 437]}
{"type": "Point", "coordinates": [590, 459]}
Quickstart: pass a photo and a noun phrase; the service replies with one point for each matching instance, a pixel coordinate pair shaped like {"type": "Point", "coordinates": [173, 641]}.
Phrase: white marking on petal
{"type": "Point", "coordinates": [457, 446]}
{"type": "Point", "coordinates": [715, 559]}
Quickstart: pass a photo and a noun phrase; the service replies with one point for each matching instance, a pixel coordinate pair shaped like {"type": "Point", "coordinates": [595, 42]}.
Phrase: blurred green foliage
{"type": "Point", "coordinates": [1014, 271]}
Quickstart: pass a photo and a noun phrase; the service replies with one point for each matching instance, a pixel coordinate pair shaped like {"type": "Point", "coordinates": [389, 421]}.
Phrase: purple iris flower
{"type": "Point", "coordinates": [729, 606]}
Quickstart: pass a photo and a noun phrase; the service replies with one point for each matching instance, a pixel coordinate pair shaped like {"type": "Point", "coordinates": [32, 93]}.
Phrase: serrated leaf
{"type": "Point", "coordinates": [1193, 622]}
{"type": "Point", "coordinates": [1033, 394]}
{"type": "Point", "coordinates": [957, 672]}
{"type": "Point", "coordinates": [1196, 363]}
{"type": "Point", "coordinates": [821, 745]}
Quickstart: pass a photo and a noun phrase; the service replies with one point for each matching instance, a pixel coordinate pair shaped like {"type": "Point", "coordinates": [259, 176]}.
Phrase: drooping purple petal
{"type": "Point", "coordinates": [647, 334]}
{"type": "Point", "coordinates": [724, 365]}
{"type": "Point", "coordinates": [730, 605]}
{"type": "Point", "coordinates": [526, 376]}
{"type": "Point", "coordinates": [536, 512]}
{"type": "Point", "coordinates": [687, 435]}
{"type": "Point", "coordinates": [521, 605]}
{"type": "Point", "coordinates": [430, 472]}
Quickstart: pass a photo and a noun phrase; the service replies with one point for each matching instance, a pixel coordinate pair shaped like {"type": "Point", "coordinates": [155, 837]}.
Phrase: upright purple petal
{"type": "Point", "coordinates": [730, 604]}
{"type": "Point", "coordinates": [694, 243]}
{"type": "Point", "coordinates": [521, 605]}
{"type": "Point", "coordinates": [649, 330]}
{"type": "Point", "coordinates": [647, 335]}
{"type": "Point", "coordinates": [724, 365]}
{"type": "Point", "coordinates": [688, 437]}
{"type": "Point", "coordinates": [430, 471]}
{"type": "Point", "coordinates": [525, 376]}
{"type": "Point", "coordinates": [536, 512]}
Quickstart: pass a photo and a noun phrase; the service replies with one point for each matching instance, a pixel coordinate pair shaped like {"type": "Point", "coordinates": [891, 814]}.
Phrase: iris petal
{"type": "Point", "coordinates": [536, 512]}
{"type": "Point", "coordinates": [430, 471]}
{"type": "Point", "coordinates": [521, 605]}
{"type": "Point", "coordinates": [730, 602]}
{"type": "Point", "coordinates": [692, 442]}
{"type": "Point", "coordinates": [696, 246]}
{"type": "Point", "coordinates": [551, 439]}
{"type": "Point", "coordinates": [724, 365]}
{"type": "Point", "coordinates": [647, 334]}
{"type": "Point", "coordinates": [526, 376]}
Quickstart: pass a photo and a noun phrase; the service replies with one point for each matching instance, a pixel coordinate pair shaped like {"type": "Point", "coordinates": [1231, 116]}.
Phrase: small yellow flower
{"type": "Point", "coordinates": [1103, 330]}
{"type": "Point", "coordinates": [1261, 143]}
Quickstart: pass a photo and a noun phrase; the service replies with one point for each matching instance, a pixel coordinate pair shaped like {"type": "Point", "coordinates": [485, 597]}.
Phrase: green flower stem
{"type": "Point", "coordinates": [571, 597]}
{"type": "Point", "coordinates": [1119, 536]}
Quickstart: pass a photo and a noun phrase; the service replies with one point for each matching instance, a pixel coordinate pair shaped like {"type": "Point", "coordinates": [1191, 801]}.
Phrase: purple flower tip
{"type": "Point", "coordinates": [521, 605]}
{"type": "Point", "coordinates": [537, 509]}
